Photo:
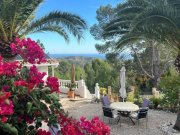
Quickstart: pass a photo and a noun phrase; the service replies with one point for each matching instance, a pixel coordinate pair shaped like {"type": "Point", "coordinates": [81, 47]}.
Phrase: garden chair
{"type": "Point", "coordinates": [145, 103]}
{"type": "Point", "coordinates": [105, 101]}
{"type": "Point", "coordinates": [110, 114]}
{"type": "Point", "coordinates": [142, 114]}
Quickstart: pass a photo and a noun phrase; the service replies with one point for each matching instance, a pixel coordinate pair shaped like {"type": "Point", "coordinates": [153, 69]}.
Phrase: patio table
{"type": "Point", "coordinates": [125, 107]}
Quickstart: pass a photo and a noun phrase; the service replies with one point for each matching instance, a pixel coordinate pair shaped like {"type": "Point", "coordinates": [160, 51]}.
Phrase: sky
{"type": "Point", "coordinates": [86, 9]}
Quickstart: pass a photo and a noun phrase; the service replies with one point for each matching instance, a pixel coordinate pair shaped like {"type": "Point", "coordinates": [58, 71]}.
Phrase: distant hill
{"type": "Point", "coordinates": [100, 56]}
{"type": "Point", "coordinates": [77, 60]}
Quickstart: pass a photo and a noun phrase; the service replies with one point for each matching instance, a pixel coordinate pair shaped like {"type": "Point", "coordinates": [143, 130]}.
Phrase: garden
{"type": "Point", "coordinates": [26, 100]}
{"type": "Point", "coordinates": [143, 36]}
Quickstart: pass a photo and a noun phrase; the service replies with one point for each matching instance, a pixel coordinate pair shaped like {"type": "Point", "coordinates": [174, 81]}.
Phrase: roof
{"type": "Point", "coordinates": [19, 58]}
{"type": "Point", "coordinates": [50, 61]}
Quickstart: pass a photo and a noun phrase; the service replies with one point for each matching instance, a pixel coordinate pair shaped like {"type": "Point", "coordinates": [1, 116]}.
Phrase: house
{"type": "Point", "coordinates": [43, 67]}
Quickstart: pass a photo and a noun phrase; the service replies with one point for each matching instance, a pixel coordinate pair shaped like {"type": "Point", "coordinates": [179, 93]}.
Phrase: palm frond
{"type": "Point", "coordinates": [146, 19]}
{"type": "Point", "coordinates": [107, 47]}
{"type": "Point", "coordinates": [73, 23]}
{"type": "Point", "coordinates": [52, 28]}
{"type": "Point", "coordinates": [15, 12]}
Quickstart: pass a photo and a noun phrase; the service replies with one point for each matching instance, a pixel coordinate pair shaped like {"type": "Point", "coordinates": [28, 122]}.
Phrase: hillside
{"type": "Point", "coordinates": [77, 60]}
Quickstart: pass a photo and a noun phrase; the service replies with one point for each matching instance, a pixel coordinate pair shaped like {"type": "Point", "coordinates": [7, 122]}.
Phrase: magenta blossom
{"type": "Point", "coordinates": [29, 50]}
{"type": "Point", "coordinates": [53, 84]}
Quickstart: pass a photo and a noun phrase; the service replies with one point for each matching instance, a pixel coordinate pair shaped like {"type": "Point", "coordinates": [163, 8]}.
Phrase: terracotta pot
{"type": "Point", "coordinates": [71, 94]}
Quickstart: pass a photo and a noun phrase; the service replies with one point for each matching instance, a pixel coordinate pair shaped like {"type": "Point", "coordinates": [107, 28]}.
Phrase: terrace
{"type": "Point", "coordinates": [133, 89]}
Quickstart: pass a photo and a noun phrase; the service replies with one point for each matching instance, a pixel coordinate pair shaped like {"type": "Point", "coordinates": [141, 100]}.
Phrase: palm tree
{"type": "Point", "coordinates": [120, 26]}
{"type": "Point", "coordinates": [17, 19]}
{"type": "Point", "coordinates": [139, 20]}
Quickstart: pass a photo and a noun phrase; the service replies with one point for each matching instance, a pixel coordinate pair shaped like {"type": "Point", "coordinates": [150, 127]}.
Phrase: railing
{"type": "Point", "coordinates": [67, 83]}
{"type": "Point", "coordinates": [80, 89]}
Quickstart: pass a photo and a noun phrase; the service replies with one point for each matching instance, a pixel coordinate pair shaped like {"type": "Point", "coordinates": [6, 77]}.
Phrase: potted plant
{"type": "Point", "coordinates": [71, 93]}
{"type": "Point", "coordinates": [72, 85]}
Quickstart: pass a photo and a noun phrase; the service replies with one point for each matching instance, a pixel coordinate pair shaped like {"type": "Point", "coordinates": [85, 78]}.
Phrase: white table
{"type": "Point", "coordinates": [124, 106]}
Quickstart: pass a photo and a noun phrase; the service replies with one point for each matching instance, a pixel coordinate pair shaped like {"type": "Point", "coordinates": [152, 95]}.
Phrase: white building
{"type": "Point", "coordinates": [81, 88]}
{"type": "Point", "coordinates": [43, 67]}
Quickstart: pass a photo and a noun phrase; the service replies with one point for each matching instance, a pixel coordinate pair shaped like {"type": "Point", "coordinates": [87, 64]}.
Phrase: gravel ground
{"type": "Point", "coordinates": [155, 119]}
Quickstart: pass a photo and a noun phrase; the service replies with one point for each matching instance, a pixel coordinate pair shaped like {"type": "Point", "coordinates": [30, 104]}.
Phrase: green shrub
{"type": "Point", "coordinates": [155, 101]}
{"type": "Point", "coordinates": [135, 98]}
{"type": "Point", "coordinates": [103, 91]}
{"type": "Point", "coordinates": [170, 85]}
{"type": "Point", "coordinates": [130, 97]}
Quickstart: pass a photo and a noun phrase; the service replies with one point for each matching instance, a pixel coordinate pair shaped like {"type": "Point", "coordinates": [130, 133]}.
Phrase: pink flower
{"type": "Point", "coordinates": [83, 127]}
{"type": "Point", "coordinates": [4, 95]}
{"type": "Point", "coordinates": [20, 83]}
{"type": "Point", "coordinates": [42, 132]}
{"type": "Point", "coordinates": [35, 77]}
{"type": "Point", "coordinates": [6, 109]}
{"type": "Point", "coordinates": [29, 50]}
{"type": "Point", "coordinates": [53, 84]}
{"type": "Point", "coordinates": [5, 87]}
{"type": "Point", "coordinates": [9, 68]}
{"type": "Point", "coordinates": [4, 119]}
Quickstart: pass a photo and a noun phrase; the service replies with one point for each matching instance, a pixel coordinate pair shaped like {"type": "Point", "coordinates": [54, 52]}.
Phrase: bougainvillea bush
{"type": "Point", "coordinates": [26, 100]}
{"type": "Point", "coordinates": [24, 97]}
{"type": "Point", "coordinates": [71, 126]}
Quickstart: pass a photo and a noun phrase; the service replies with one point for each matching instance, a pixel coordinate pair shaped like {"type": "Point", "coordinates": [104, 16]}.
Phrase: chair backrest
{"type": "Point", "coordinates": [142, 113]}
{"type": "Point", "coordinates": [107, 112]}
{"type": "Point", "coordinates": [105, 101]}
{"type": "Point", "coordinates": [145, 103]}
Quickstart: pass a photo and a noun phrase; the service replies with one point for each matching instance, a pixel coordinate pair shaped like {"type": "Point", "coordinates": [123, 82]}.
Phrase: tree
{"type": "Point", "coordinates": [80, 73]}
{"type": "Point", "coordinates": [110, 33]}
{"type": "Point", "coordinates": [64, 70]}
{"type": "Point", "coordinates": [18, 20]}
{"type": "Point", "coordinates": [90, 76]}
{"type": "Point", "coordinates": [150, 20]}
{"type": "Point", "coordinates": [100, 71]}
{"type": "Point", "coordinates": [141, 20]}
{"type": "Point", "coordinates": [104, 15]}
{"type": "Point", "coordinates": [143, 25]}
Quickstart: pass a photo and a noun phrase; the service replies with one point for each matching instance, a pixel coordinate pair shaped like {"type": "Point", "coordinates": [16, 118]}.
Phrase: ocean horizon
{"type": "Point", "coordinates": [100, 56]}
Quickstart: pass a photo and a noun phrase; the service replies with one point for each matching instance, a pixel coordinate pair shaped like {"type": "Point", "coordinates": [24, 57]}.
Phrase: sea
{"type": "Point", "coordinates": [100, 56]}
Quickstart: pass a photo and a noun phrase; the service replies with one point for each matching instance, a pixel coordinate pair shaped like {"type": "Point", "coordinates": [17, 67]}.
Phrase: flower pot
{"type": "Point", "coordinates": [71, 94]}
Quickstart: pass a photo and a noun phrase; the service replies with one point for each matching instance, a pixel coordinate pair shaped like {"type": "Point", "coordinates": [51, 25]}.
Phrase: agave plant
{"type": "Point", "coordinates": [17, 19]}
{"type": "Point", "coordinates": [139, 20]}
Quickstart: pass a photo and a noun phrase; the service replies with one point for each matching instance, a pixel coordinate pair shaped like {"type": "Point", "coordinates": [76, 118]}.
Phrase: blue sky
{"type": "Point", "coordinates": [84, 8]}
